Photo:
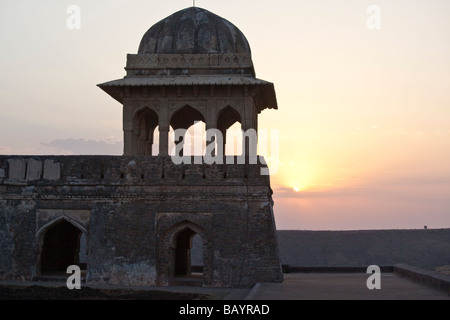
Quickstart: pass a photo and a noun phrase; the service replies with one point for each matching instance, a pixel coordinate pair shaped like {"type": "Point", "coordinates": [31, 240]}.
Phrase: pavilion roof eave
{"type": "Point", "coordinates": [113, 88]}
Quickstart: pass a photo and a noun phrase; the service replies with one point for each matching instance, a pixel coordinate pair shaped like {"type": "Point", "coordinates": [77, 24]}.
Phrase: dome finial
{"type": "Point", "coordinates": [193, 3]}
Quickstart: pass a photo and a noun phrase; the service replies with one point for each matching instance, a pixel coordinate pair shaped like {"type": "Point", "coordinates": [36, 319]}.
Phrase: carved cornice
{"type": "Point", "coordinates": [188, 61]}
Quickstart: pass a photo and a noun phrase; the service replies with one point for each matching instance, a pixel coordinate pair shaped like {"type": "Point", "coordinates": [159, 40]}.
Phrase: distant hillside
{"type": "Point", "coordinates": [422, 248]}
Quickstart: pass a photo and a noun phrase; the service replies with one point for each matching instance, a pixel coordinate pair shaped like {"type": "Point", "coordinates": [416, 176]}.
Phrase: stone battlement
{"type": "Point", "coordinates": [135, 170]}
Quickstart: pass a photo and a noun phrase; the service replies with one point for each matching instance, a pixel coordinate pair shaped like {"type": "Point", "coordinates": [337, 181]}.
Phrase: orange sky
{"type": "Point", "coordinates": [363, 119]}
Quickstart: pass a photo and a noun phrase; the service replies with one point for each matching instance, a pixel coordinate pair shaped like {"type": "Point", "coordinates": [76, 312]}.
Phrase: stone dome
{"type": "Point", "coordinates": [193, 31]}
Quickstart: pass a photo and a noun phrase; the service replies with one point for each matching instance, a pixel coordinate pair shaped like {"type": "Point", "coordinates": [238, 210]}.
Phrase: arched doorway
{"type": "Point", "coordinates": [60, 248]}
{"type": "Point", "coordinates": [197, 255]}
{"type": "Point", "coordinates": [182, 254]}
{"type": "Point", "coordinates": [178, 264]}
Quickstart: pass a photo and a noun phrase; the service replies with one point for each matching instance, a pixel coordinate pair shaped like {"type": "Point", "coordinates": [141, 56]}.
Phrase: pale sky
{"type": "Point", "coordinates": [364, 115]}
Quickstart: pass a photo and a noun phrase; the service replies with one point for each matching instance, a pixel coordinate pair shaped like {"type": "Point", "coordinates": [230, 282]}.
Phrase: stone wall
{"type": "Point", "coordinates": [131, 208]}
{"type": "Point", "coordinates": [422, 248]}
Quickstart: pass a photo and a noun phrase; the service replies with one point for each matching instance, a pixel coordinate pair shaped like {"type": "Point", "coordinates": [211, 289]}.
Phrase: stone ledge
{"type": "Point", "coordinates": [294, 269]}
{"type": "Point", "coordinates": [429, 278]}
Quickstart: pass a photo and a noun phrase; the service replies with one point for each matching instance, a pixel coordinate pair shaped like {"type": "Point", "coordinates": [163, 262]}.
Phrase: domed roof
{"type": "Point", "coordinates": [193, 31]}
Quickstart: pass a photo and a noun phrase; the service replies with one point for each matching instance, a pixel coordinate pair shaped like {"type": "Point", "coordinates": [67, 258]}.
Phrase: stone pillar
{"type": "Point", "coordinates": [127, 139]}
{"type": "Point", "coordinates": [249, 147]}
{"type": "Point", "coordinates": [211, 124]}
{"type": "Point", "coordinates": [142, 145]}
{"type": "Point", "coordinates": [134, 143]}
{"type": "Point", "coordinates": [149, 145]}
{"type": "Point", "coordinates": [163, 141]}
{"type": "Point", "coordinates": [164, 126]}
{"type": "Point", "coordinates": [182, 143]}
{"type": "Point", "coordinates": [127, 129]}
{"type": "Point", "coordinates": [224, 142]}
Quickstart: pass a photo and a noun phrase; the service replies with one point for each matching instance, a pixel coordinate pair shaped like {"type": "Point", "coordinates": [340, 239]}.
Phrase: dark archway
{"type": "Point", "coordinates": [185, 117]}
{"type": "Point", "coordinates": [61, 247]}
{"type": "Point", "coordinates": [167, 261]}
{"type": "Point", "coordinates": [197, 254]}
{"type": "Point", "coordinates": [183, 252]}
{"type": "Point", "coordinates": [146, 120]}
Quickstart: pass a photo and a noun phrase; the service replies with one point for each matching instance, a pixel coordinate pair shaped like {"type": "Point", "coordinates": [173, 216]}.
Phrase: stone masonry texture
{"type": "Point", "coordinates": [130, 208]}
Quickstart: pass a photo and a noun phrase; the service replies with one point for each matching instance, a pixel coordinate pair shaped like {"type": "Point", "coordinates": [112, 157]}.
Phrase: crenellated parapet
{"type": "Point", "coordinates": [138, 170]}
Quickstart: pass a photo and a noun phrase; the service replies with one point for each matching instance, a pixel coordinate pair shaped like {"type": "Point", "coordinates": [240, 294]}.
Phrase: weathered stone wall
{"type": "Point", "coordinates": [130, 209]}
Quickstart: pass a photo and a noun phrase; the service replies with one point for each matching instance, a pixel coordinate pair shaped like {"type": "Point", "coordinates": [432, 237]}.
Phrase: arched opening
{"type": "Point", "coordinates": [193, 142]}
{"type": "Point", "coordinates": [83, 252]}
{"type": "Point", "coordinates": [197, 255]}
{"type": "Point", "coordinates": [184, 262]}
{"type": "Point", "coordinates": [145, 122]}
{"type": "Point", "coordinates": [176, 265]}
{"type": "Point", "coordinates": [230, 125]}
{"type": "Point", "coordinates": [62, 246]}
